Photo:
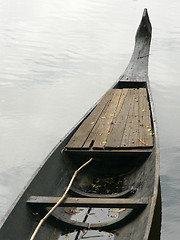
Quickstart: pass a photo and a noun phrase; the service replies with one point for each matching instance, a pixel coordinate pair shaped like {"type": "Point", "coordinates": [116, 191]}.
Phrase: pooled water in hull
{"type": "Point", "coordinates": [92, 216]}
{"type": "Point", "coordinates": [87, 234]}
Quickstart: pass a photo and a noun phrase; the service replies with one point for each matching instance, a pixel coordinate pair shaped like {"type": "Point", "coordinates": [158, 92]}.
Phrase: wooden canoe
{"type": "Point", "coordinates": [116, 195]}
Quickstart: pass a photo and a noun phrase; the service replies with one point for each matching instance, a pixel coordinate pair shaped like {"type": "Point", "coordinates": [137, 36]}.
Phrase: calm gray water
{"type": "Point", "coordinates": [57, 58]}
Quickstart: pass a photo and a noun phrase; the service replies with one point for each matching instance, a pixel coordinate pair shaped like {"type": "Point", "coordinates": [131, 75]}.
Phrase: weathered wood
{"type": "Point", "coordinates": [110, 151]}
{"type": "Point", "coordinates": [142, 125]}
{"type": "Point", "coordinates": [86, 127]}
{"type": "Point", "coordinates": [145, 126]}
{"type": "Point", "coordinates": [104, 128]}
{"type": "Point", "coordinates": [147, 119]}
{"type": "Point", "coordinates": [115, 137]}
{"type": "Point", "coordinates": [121, 120]}
{"type": "Point", "coordinates": [92, 136]}
{"type": "Point", "coordinates": [120, 104]}
{"type": "Point", "coordinates": [88, 202]}
{"type": "Point", "coordinates": [130, 137]}
{"type": "Point", "coordinates": [135, 123]}
{"type": "Point", "coordinates": [129, 124]}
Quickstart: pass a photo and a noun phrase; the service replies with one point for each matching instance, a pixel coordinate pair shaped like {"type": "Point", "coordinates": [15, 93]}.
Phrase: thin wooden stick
{"type": "Point", "coordinates": [60, 200]}
{"type": "Point", "coordinates": [143, 142]}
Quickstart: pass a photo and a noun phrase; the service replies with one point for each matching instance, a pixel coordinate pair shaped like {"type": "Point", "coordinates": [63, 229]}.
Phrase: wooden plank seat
{"type": "Point", "coordinates": [120, 121]}
{"type": "Point", "coordinates": [88, 202]}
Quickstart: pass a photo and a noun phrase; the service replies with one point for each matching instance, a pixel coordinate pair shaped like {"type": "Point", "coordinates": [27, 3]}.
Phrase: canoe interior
{"type": "Point", "coordinates": [114, 197]}
{"type": "Point", "coordinates": [136, 180]}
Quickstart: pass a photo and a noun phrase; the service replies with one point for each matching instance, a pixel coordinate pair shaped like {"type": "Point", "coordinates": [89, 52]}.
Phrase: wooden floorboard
{"type": "Point", "coordinates": [121, 120]}
{"type": "Point", "coordinates": [80, 136]}
{"type": "Point", "coordinates": [145, 126]}
{"type": "Point", "coordinates": [118, 109]}
{"type": "Point", "coordinates": [135, 135]}
{"type": "Point", "coordinates": [142, 125]}
{"type": "Point", "coordinates": [127, 135]}
{"type": "Point", "coordinates": [131, 132]}
{"type": "Point", "coordinates": [93, 133]}
{"type": "Point", "coordinates": [115, 137]}
{"type": "Point", "coordinates": [104, 128]}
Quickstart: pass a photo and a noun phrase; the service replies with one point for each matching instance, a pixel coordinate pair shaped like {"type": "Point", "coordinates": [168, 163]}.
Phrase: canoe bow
{"type": "Point", "coordinates": [137, 69]}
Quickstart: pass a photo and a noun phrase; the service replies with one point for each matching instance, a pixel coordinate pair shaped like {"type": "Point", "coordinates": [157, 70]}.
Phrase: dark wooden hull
{"type": "Point", "coordinates": [140, 167]}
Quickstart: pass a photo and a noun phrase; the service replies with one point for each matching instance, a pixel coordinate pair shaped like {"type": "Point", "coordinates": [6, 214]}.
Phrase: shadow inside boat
{"type": "Point", "coordinates": [112, 181]}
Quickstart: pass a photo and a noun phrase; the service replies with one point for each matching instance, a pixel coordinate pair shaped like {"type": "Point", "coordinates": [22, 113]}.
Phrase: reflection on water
{"type": "Point", "coordinates": [57, 58]}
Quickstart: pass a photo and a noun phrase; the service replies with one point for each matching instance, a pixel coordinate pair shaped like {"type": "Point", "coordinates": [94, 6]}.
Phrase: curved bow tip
{"type": "Point", "coordinates": [145, 16]}
{"type": "Point", "coordinates": [145, 12]}
{"type": "Point", "coordinates": [145, 25]}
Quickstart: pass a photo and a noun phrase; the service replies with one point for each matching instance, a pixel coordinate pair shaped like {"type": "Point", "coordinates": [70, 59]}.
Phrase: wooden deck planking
{"type": "Point", "coordinates": [136, 120]}
{"type": "Point", "coordinates": [142, 125]}
{"type": "Point", "coordinates": [115, 137]}
{"type": "Point", "coordinates": [121, 120]}
{"type": "Point", "coordinates": [104, 128]}
{"type": "Point", "coordinates": [145, 126]}
{"type": "Point", "coordinates": [80, 136]}
{"type": "Point", "coordinates": [120, 104]}
{"type": "Point", "coordinates": [91, 137]}
{"type": "Point", "coordinates": [130, 135]}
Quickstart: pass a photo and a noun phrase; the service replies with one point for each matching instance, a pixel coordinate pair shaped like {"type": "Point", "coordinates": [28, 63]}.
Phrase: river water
{"type": "Point", "coordinates": [57, 58]}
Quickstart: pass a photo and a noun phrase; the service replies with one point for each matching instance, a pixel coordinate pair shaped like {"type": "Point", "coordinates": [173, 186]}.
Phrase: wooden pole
{"type": "Point", "coordinates": [60, 200]}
